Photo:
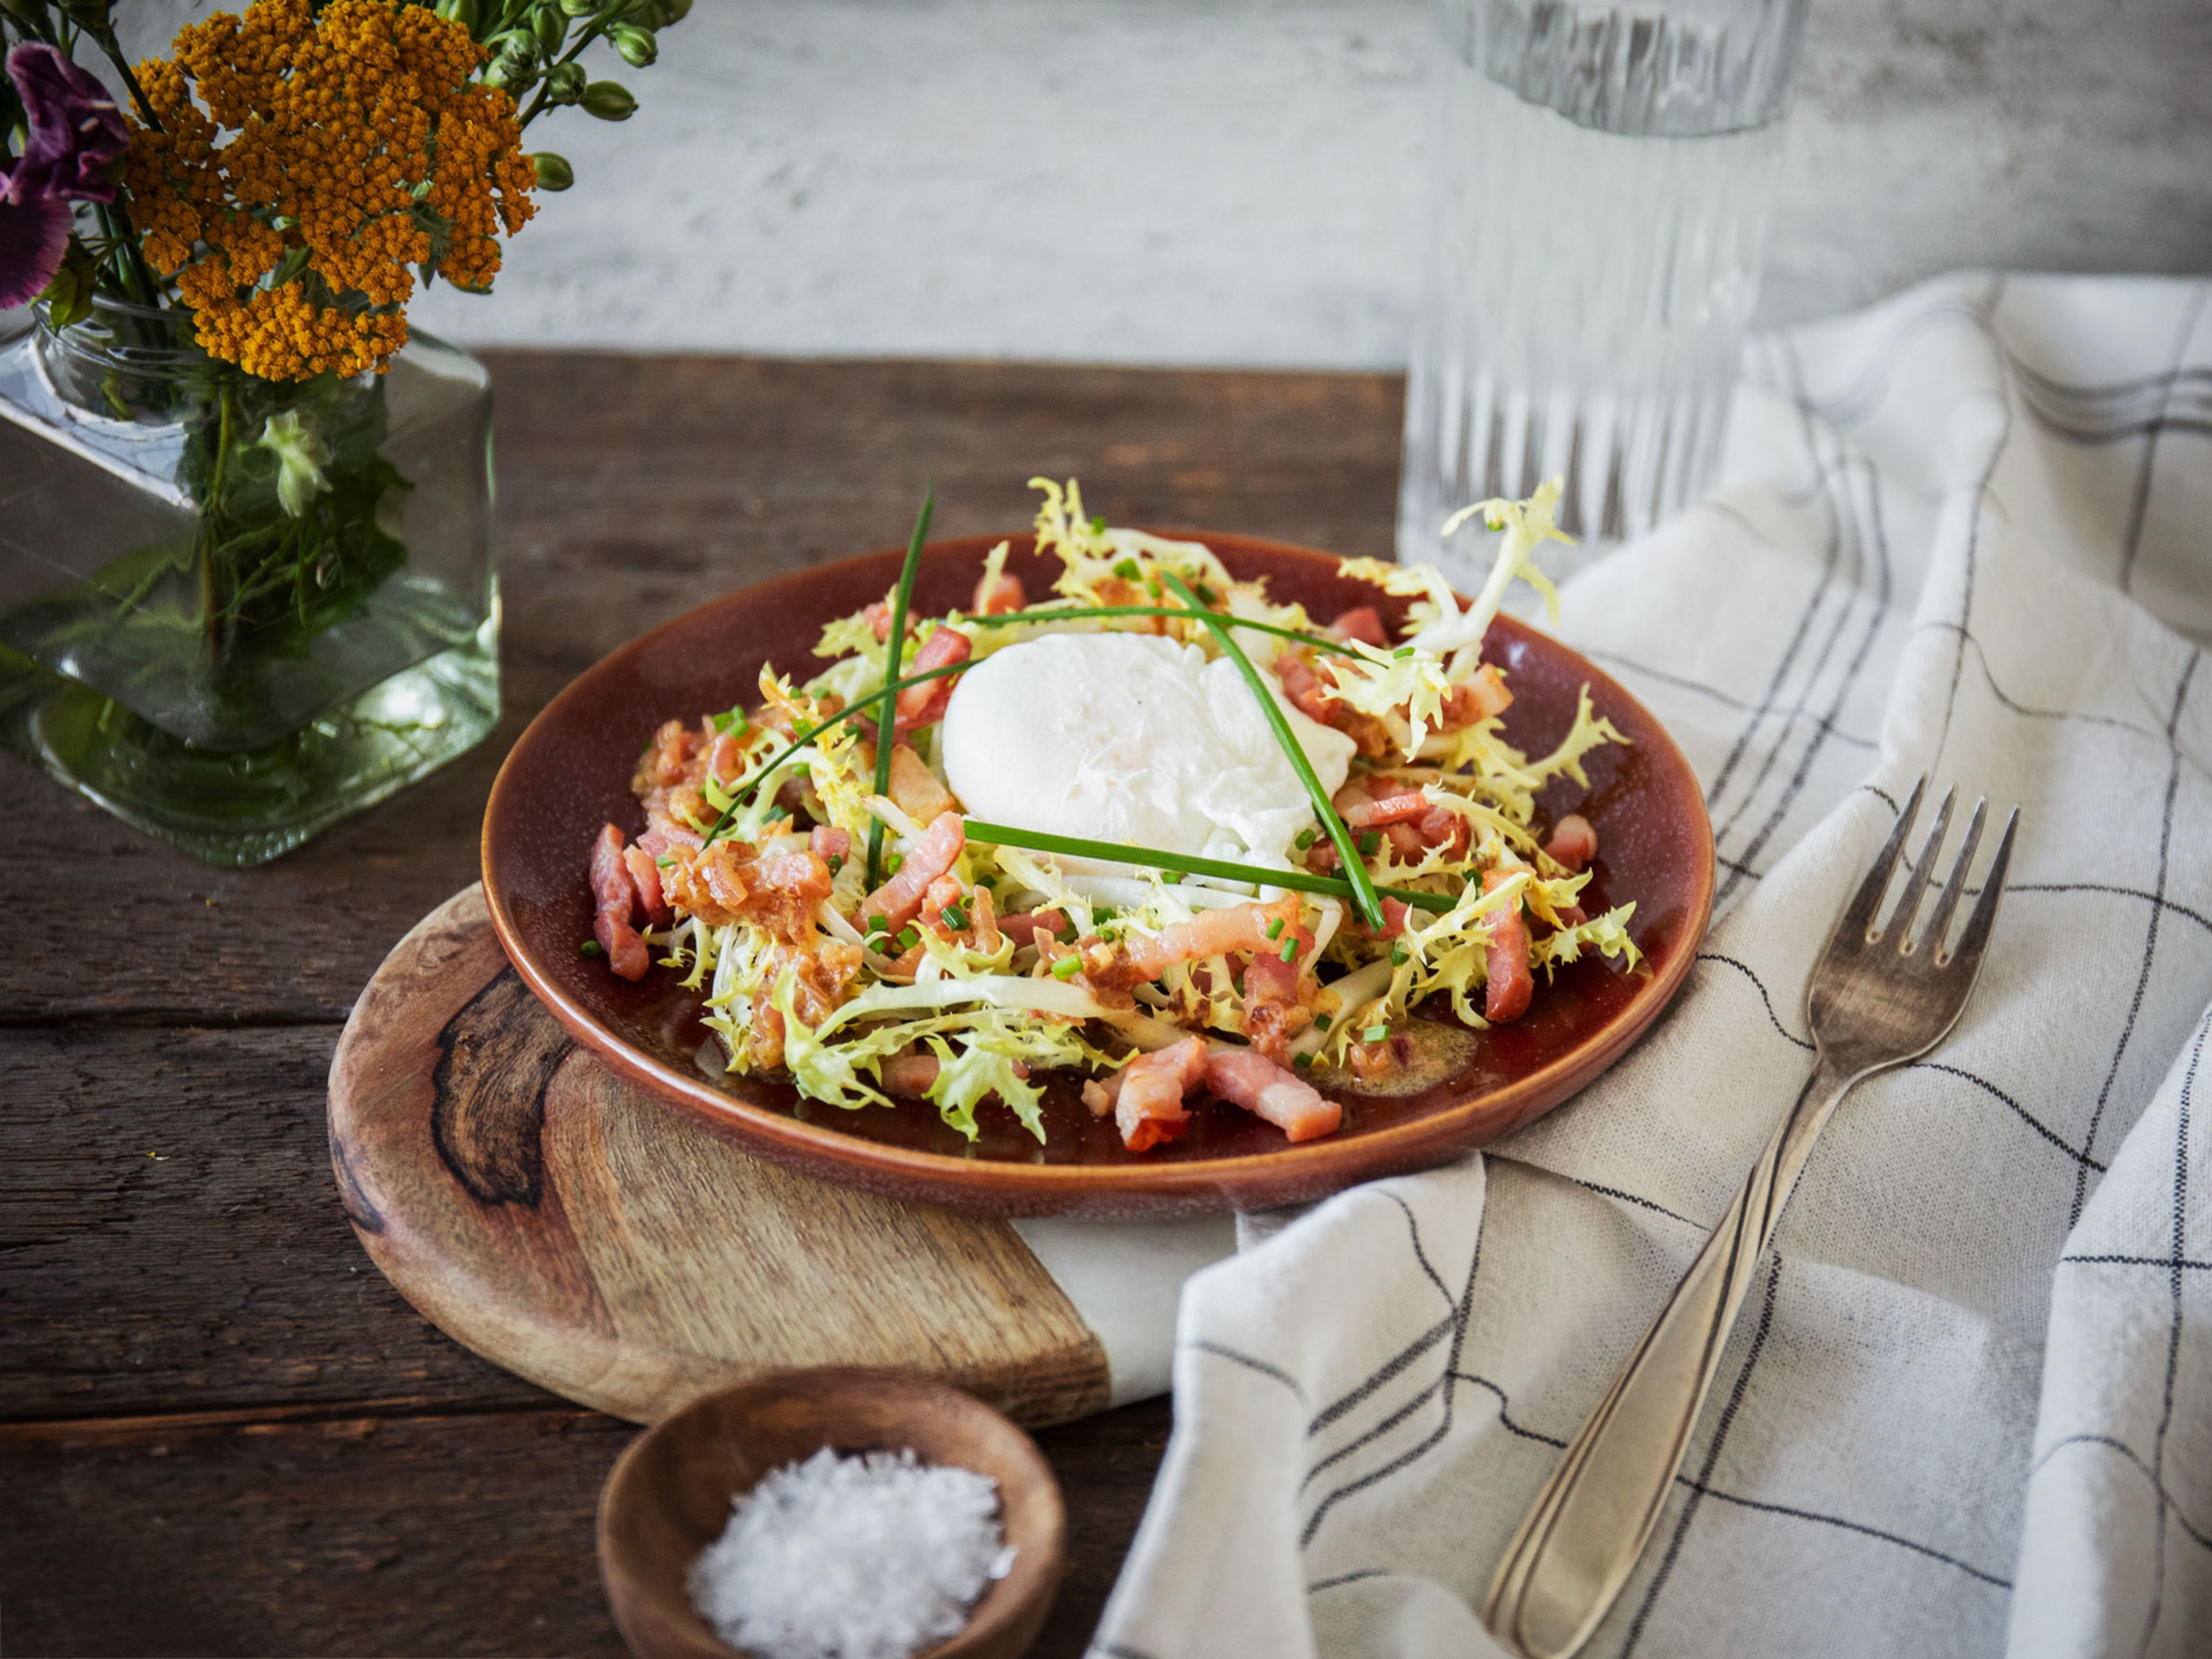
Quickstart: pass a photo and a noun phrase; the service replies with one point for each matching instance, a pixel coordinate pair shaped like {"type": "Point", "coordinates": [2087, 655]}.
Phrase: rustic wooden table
{"type": "Point", "coordinates": [221, 1432]}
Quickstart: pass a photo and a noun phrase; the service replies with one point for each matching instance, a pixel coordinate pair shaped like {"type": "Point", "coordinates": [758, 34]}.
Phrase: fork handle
{"type": "Point", "coordinates": [1582, 1537]}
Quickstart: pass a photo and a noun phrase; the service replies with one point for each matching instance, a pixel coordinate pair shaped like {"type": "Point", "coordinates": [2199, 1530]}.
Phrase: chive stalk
{"type": "Point", "coordinates": [1355, 868]}
{"type": "Point", "coordinates": [893, 649]}
{"type": "Point", "coordinates": [1085, 613]}
{"type": "Point", "coordinates": [982, 834]}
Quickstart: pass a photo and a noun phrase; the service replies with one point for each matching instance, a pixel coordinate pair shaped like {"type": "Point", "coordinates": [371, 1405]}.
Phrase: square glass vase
{"type": "Point", "coordinates": [233, 612]}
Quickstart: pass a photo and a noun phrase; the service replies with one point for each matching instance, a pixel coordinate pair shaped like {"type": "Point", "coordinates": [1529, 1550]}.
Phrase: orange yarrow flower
{"type": "Point", "coordinates": [357, 139]}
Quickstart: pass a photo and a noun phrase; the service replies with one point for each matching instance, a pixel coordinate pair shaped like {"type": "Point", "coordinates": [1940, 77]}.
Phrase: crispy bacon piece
{"type": "Point", "coordinates": [914, 787]}
{"type": "Point", "coordinates": [789, 888]}
{"type": "Point", "coordinates": [1216, 932]}
{"type": "Point", "coordinates": [1311, 689]}
{"type": "Point", "coordinates": [1148, 1103]}
{"type": "Point", "coordinates": [993, 599]}
{"type": "Point", "coordinates": [925, 705]}
{"type": "Point", "coordinates": [673, 758]}
{"type": "Point", "coordinates": [1476, 699]}
{"type": "Point", "coordinates": [912, 1075]}
{"type": "Point", "coordinates": [734, 881]}
{"type": "Point", "coordinates": [946, 893]}
{"type": "Point", "coordinates": [1573, 842]}
{"type": "Point", "coordinates": [645, 876]}
{"type": "Point", "coordinates": [1362, 809]}
{"type": "Point", "coordinates": [822, 973]}
{"type": "Point", "coordinates": [1362, 623]}
{"type": "Point", "coordinates": [1510, 984]}
{"type": "Point", "coordinates": [879, 619]}
{"type": "Point", "coordinates": [1023, 927]}
{"type": "Point", "coordinates": [1286, 1100]}
{"type": "Point", "coordinates": [827, 843]}
{"type": "Point", "coordinates": [1279, 994]}
{"type": "Point", "coordinates": [616, 899]}
{"type": "Point", "coordinates": [899, 900]}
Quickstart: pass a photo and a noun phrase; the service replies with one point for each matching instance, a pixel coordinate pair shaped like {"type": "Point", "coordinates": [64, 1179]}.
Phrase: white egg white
{"type": "Point", "coordinates": [1135, 738]}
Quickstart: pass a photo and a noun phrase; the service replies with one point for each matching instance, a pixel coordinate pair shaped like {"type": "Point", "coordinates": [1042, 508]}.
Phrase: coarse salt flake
{"type": "Point", "coordinates": [876, 1556]}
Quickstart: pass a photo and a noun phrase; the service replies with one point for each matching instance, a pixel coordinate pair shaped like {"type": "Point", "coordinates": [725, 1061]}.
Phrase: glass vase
{"type": "Point", "coordinates": [233, 612]}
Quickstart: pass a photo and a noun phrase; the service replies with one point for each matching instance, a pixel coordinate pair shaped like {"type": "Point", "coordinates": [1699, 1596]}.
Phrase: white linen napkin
{"type": "Point", "coordinates": [1969, 1406]}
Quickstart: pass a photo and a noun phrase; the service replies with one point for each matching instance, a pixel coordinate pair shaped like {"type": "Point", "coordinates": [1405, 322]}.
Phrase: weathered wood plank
{"type": "Point", "coordinates": [630, 489]}
{"type": "Point", "coordinates": [171, 1239]}
{"type": "Point", "coordinates": [454, 1535]}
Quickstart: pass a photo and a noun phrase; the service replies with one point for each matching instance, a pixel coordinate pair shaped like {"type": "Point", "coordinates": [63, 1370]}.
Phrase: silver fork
{"type": "Point", "coordinates": [1881, 995]}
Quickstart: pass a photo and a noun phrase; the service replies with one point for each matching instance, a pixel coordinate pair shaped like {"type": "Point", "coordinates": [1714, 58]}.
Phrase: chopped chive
{"type": "Point", "coordinates": [951, 916]}
{"type": "Point", "coordinates": [1363, 885]}
{"type": "Point", "coordinates": [1369, 841]}
{"type": "Point", "coordinates": [1103, 914]}
{"type": "Point", "coordinates": [1399, 956]}
{"type": "Point", "coordinates": [891, 865]}
{"type": "Point", "coordinates": [1067, 967]}
{"type": "Point", "coordinates": [721, 721]}
{"type": "Point", "coordinates": [879, 924]}
{"type": "Point", "coordinates": [1289, 952]}
{"type": "Point", "coordinates": [1098, 524]}
{"type": "Point", "coordinates": [893, 646]}
{"type": "Point", "coordinates": [837, 862]}
{"type": "Point", "coordinates": [777, 814]}
{"type": "Point", "coordinates": [663, 860]}
{"type": "Point", "coordinates": [1127, 570]}
{"type": "Point", "coordinates": [1302, 1061]}
{"type": "Point", "coordinates": [983, 834]}
{"type": "Point", "coordinates": [909, 937]}
{"type": "Point", "coordinates": [1402, 653]}
{"type": "Point", "coordinates": [1321, 1022]}
{"type": "Point", "coordinates": [804, 769]}
{"type": "Point", "coordinates": [590, 947]}
{"type": "Point", "coordinates": [1305, 838]}
{"type": "Point", "coordinates": [1375, 1034]}
{"type": "Point", "coordinates": [1275, 928]}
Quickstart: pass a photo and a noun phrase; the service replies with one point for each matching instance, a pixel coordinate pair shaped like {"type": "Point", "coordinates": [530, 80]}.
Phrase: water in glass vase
{"type": "Point", "coordinates": [1600, 188]}
{"type": "Point", "coordinates": [232, 611]}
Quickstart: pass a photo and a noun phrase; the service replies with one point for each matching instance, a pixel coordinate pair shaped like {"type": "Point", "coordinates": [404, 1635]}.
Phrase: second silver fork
{"type": "Point", "coordinates": [1881, 994]}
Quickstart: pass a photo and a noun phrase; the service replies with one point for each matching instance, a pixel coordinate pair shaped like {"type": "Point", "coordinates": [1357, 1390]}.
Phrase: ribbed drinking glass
{"type": "Point", "coordinates": [1599, 181]}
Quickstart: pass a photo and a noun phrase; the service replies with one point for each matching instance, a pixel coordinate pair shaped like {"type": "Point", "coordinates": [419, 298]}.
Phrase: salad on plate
{"type": "Point", "coordinates": [1153, 831]}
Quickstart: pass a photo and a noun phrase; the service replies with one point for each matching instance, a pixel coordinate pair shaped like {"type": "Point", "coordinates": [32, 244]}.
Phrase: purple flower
{"type": "Point", "coordinates": [33, 238]}
{"type": "Point", "coordinates": [77, 131]}
{"type": "Point", "coordinates": [76, 134]}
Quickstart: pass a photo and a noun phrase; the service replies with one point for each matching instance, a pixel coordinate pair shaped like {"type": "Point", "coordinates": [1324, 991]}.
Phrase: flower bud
{"type": "Point", "coordinates": [554, 171]}
{"type": "Point", "coordinates": [609, 100]}
{"type": "Point", "coordinates": [564, 83]}
{"type": "Point", "coordinates": [463, 12]}
{"type": "Point", "coordinates": [580, 7]}
{"type": "Point", "coordinates": [551, 27]}
{"type": "Point", "coordinates": [637, 46]}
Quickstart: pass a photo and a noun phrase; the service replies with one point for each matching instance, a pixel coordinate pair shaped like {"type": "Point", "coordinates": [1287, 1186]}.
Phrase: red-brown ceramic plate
{"type": "Point", "coordinates": [570, 773]}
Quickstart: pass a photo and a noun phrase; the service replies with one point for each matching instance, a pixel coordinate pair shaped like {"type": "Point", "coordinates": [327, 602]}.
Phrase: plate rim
{"type": "Point", "coordinates": [1282, 1174]}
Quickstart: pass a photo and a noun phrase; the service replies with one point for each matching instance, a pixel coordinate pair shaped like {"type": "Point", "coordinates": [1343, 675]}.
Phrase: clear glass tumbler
{"type": "Point", "coordinates": [1600, 180]}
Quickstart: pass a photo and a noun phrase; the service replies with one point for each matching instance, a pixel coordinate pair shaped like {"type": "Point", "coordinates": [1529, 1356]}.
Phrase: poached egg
{"type": "Point", "coordinates": [1132, 738]}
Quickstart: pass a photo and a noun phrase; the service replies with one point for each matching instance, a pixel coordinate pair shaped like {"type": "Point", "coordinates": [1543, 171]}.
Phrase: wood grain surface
{"type": "Point", "coordinates": [198, 1364]}
{"type": "Point", "coordinates": [571, 1228]}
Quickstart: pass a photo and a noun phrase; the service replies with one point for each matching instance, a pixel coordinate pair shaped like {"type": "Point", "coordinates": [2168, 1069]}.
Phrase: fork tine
{"type": "Point", "coordinates": [1898, 933]}
{"type": "Point", "coordinates": [1939, 923]}
{"type": "Point", "coordinates": [1984, 915]}
{"type": "Point", "coordinates": [1858, 915]}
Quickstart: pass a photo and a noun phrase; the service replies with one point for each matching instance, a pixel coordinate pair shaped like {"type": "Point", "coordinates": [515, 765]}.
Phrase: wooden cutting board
{"type": "Point", "coordinates": [558, 1222]}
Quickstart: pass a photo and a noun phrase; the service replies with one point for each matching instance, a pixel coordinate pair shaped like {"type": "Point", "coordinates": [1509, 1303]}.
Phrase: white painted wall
{"type": "Point", "coordinates": [1237, 181]}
